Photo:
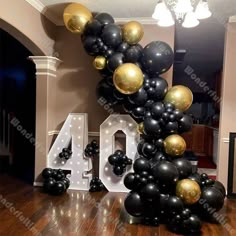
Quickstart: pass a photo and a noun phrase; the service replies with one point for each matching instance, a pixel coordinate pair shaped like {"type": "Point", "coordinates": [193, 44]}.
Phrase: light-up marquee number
{"type": "Point", "coordinates": [74, 130]}
{"type": "Point", "coordinates": [108, 129]}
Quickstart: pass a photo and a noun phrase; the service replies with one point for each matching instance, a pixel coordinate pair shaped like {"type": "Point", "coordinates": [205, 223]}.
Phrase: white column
{"type": "Point", "coordinates": [46, 68]}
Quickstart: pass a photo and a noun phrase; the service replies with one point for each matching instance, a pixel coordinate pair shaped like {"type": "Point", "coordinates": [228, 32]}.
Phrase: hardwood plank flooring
{"type": "Point", "coordinates": [80, 213]}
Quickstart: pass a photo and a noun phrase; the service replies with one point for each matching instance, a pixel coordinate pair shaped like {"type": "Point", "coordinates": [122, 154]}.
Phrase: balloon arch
{"type": "Point", "coordinates": [164, 188]}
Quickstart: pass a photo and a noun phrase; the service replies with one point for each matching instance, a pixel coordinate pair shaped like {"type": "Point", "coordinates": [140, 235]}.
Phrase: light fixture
{"type": "Point", "coordinates": [186, 12]}
{"type": "Point", "coordinates": [190, 20]}
{"type": "Point", "coordinates": [202, 10]}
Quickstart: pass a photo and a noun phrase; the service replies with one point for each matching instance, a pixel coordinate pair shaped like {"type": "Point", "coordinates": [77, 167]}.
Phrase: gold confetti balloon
{"type": "Point", "coordinates": [180, 96]}
{"type": "Point", "coordinates": [174, 145]}
{"type": "Point", "coordinates": [188, 190]}
{"type": "Point", "coordinates": [128, 78]}
{"type": "Point", "coordinates": [99, 62]}
{"type": "Point", "coordinates": [132, 32]}
{"type": "Point", "coordinates": [76, 16]}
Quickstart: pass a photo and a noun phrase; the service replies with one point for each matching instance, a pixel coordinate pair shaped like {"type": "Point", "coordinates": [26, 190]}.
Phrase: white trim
{"type": "Point", "coordinates": [225, 140]}
{"type": "Point", "coordinates": [232, 19]}
{"type": "Point", "coordinates": [46, 73]}
{"type": "Point", "coordinates": [142, 20]}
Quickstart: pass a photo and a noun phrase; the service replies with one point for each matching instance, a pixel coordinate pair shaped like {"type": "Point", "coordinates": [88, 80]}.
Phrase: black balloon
{"type": "Point", "coordinates": [159, 88]}
{"type": "Point", "coordinates": [93, 28]}
{"type": "Point", "coordinates": [150, 192]}
{"type": "Point", "coordinates": [90, 45]}
{"type": "Point", "coordinates": [115, 60]}
{"type": "Point", "coordinates": [104, 18]}
{"type": "Point", "coordinates": [151, 127]}
{"type": "Point", "coordinates": [141, 164]}
{"type": "Point", "coordinates": [157, 109]}
{"type": "Point", "coordinates": [171, 127]}
{"type": "Point", "coordinates": [192, 225]}
{"type": "Point", "coordinates": [174, 205]}
{"type": "Point", "coordinates": [118, 170]}
{"type": "Point", "coordinates": [148, 150]}
{"type": "Point", "coordinates": [66, 181]}
{"type": "Point", "coordinates": [185, 124]}
{"type": "Point", "coordinates": [218, 185]}
{"type": "Point", "coordinates": [59, 188]}
{"type": "Point", "coordinates": [130, 181]}
{"type": "Point", "coordinates": [139, 98]}
{"type": "Point", "coordinates": [123, 47]}
{"type": "Point", "coordinates": [49, 184]}
{"type": "Point", "coordinates": [133, 204]}
{"type": "Point", "coordinates": [138, 112]}
{"type": "Point", "coordinates": [47, 173]}
{"type": "Point", "coordinates": [133, 53]}
{"type": "Point", "coordinates": [157, 57]}
{"type": "Point", "coordinates": [196, 177]}
{"type": "Point", "coordinates": [111, 35]}
{"type": "Point", "coordinates": [184, 167]}
{"type": "Point", "coordinates": [165, 172]}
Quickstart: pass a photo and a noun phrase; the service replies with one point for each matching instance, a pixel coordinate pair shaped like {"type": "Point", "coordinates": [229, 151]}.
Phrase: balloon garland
{"type": "Point", "coordinates": [163, 185]}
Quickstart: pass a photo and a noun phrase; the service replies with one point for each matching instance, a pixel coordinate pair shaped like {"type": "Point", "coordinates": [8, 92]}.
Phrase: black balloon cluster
{"type": "Point", "coordinates": [65, 154]}
{"type": "Point", "coordinates": [92, 149]}
{"type": "Point", "coordinates": [55, 181]}
{"type": "Point", "coordinates": [96, 185]}
{"type": "Point", "coordinates": [119, 161]}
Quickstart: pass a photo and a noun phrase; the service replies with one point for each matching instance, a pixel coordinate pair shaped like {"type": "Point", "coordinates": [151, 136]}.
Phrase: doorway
{"type": "Point", "coordinates": [17, 109]}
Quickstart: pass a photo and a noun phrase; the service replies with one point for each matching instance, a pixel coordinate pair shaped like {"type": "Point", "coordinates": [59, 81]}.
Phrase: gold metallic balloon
{"type": "Point", "coordinates": [99, 62]}
{"type": "Point", "coordinates": [76, 16]}
{"type": "Point", "coordinates": [140, 128]}
{"type": "Point", "coordinates": [180, 96]}
{"type": "Point", "coordinates": [174, 145]}
{"type": "Point", "coordinates": [188, 190]}
{"type": "Point", "coordinates": [132, 32]}
{"type": "Point", "coordinates": [128, 78]}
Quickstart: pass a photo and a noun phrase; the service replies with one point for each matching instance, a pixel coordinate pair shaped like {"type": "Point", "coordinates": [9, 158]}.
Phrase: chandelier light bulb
{"type": "Point", "coordinates": [190, 20]}
{"type": "Point", "coordinates": [183, 6]}
{"type": "Point", "coordinates": [159, 11]}
{"type": "Point", "coordinates": [202, 10]}
{"type": "Point", "coordinates": [166, 20]}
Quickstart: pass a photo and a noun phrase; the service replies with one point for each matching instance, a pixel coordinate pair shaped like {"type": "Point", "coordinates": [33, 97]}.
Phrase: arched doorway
{"type": "Point", "coordinates": [17, 108]}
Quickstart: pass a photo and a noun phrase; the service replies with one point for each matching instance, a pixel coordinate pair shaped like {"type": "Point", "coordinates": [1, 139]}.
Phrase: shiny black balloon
{"type": "Point", "coordinates": [174, 205]}
{"type": "Point", "coordinates": [139, 98]}
{"type": "Point", "coordinates": [93, 28]}
{"type": "Point", "coordinates": [165, 172]}
{"type": "Point", "coordinates": [119, 96]}
{"type": "Point", "coordinates": [196, 177]}
{"type": "Point", "coordinates": [111, 35]}
{"type": "Point", "coordinates": [47, 173]}
{"type": "Point", "coordinates": [122, 47]}
{"type": "Point", "coordinates": [133, 53]}
{"type": "Point", "coordinates": [90, 45]}
{"type": "Point", "coordinates": [108, 53]}
{"type": "Point", "coordinates": [157, 109]}
{"type": "Point", "coordinates": [175, 224]}
{"type": "Point", "coordinates": [185, 124]}
{"type": "Point", "coordinates": [48, 185]}
{"type": "Point", "coordinates": [186, 213]}
{"type": "Point", "coordinates": [104, 18]}
{"type": "Point", "coordinates": [151, 127]}
{"type": "Point", "coordinates": [141, 164]}
{"type": "Point", "coordinates": [138, 112]}
{"type": "Point", "coordinates": [184, 167]}
{"type": "Point", "coordinates": [130, 181]}
{"type": "Point", "coordinates": [115, 61]}
{"type": "Point", "coordinates": [192, 225]}
{"type": "Point", "coordinates": [133, 204]}
{"type": "Point", "coordinates": [160, 88]}
{"type": "Point", "coordinates": [171, 127]}
{"type": "Point", "coordinates": [113, 159]}
{"type": "Point", "coordinates": [66, 181]}
{"type": "Point", "coordinates": [148, 150]}
{"type": "Point", "coordinates": [118, 170]}
{"type": "Point", "coordinates": [58, 188]}
{"type": "Point", "coordinates": [157, 57]}
{"type": "Point", "coordinates": [213, 197]}
{"type": "Point", "coordinates": [59, 176]}
{"type": "Point", "coordinates": [159, 156]}
{"type": "Point", "coordinates": [218, 185]}
{"type": "Point", "coordinates": [148, 105]}
{"type": "Point", "coordinates": [178, 114]}
{"type": "Point", "coordinates": [150, 192]}
{"type": "Point", "coordinates": [140, 147]}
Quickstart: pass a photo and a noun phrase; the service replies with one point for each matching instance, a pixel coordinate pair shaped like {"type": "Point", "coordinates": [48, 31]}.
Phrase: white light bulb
{"type": "Point", "coordinates": [110, 123]}
{"type": "Point", "coordinates": [107, 132]}
{"type": "Point", "coordinates": [159, 11]}
{"type": "Point", "coordinates": [190, 20]}
{"type": "Point", "coordinates": [202, 11]}
{"type": "Point", "coordinates": [166, 20]}
{"type": "Point", "coordinates": [183, 6]}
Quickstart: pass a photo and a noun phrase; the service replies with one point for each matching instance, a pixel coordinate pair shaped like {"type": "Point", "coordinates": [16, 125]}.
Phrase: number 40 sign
{"type": "Point", "coordinates": [75, 131]}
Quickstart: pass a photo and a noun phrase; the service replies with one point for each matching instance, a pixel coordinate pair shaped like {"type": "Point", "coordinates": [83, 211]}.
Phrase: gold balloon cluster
{"type": "Point", "coordinates": [188, 190]}
{"type": "Point", "coordinates": [174, 145]}
{"type": "Point", "coordinates": [132, 32]}
{"type": "Point", "coordinates": [76, 16]}
{"type": "Point", "coordinates": [180, 96]}
{"type": "Point", "coordinates": [99, 62]}
{"type": "Point", "coordinates": [128, 78]}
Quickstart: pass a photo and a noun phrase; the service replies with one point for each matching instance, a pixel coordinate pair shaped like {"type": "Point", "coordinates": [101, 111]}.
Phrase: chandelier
{"type": "Point", "coordinates": [186, 12]}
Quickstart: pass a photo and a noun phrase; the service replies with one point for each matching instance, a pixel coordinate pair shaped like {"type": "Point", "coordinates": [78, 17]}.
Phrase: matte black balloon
{"type": "Point", "coordinates": [133, 53]}
{"type": "Point", "coordinates": [157, 109]}
{"type": "Point", "coordinates": [174, 205]}
{"type": "Point", "coordinates": [157, 57]}
{"type": "Point", "coordinates": [104, 18]}
{"type": "Point", "coordinates": [151, 127]}
{"type": "Point", "coordinates": [130, 181]}
{"type": "Point", "coordinates": [48, 185]}
{"type": "Point", "coordinates": [213, 197]}
{"type": "Point", "coordinates": [59, 188]}
{"type": "Point", "coordinates": [139, 98]}
{"type": "Point", "coordinates": [90, 45]}
{"type": "Point", "coordinates": [165, 172]}
{"type": "Point", "coordinates": [192, 225]}
{"type": "Point", "coordinates": [149, 150]}
{"type": "Point", "coordinates": [185, 124]}
{"type": "Point", "coordinates": [150, 192]}
{"type": "Point", "coordinates": [47, 173]}
{"type": "Point", "coordinates": [93, 28]}
{"type": "Point", "coordinates": [123, 47]}
{"type": "Point", "coordinates": [133, 204]}
{"type": "Point", "coordinates": [111, 35]}
{"type": "Point", "coordinates": [115, 61]}
{"type": "Point", "coordinates": [138, 112]}
{"type": "Point", "coordinates": [141, 164]}
{"type": "Point", "coordinates": [184, 167]}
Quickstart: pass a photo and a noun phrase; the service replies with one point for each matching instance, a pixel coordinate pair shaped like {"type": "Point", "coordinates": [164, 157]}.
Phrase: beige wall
{"type": "Point", "coordinates": [228, 111]}
{"type": "Point", "coordinates": [74, 88]}
{"type": "Point", "coordinates": [25, 23]}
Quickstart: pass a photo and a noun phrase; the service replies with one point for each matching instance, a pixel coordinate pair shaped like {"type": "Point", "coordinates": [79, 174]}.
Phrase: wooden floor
{"type": "Point", "coordinates": [78, 213]}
